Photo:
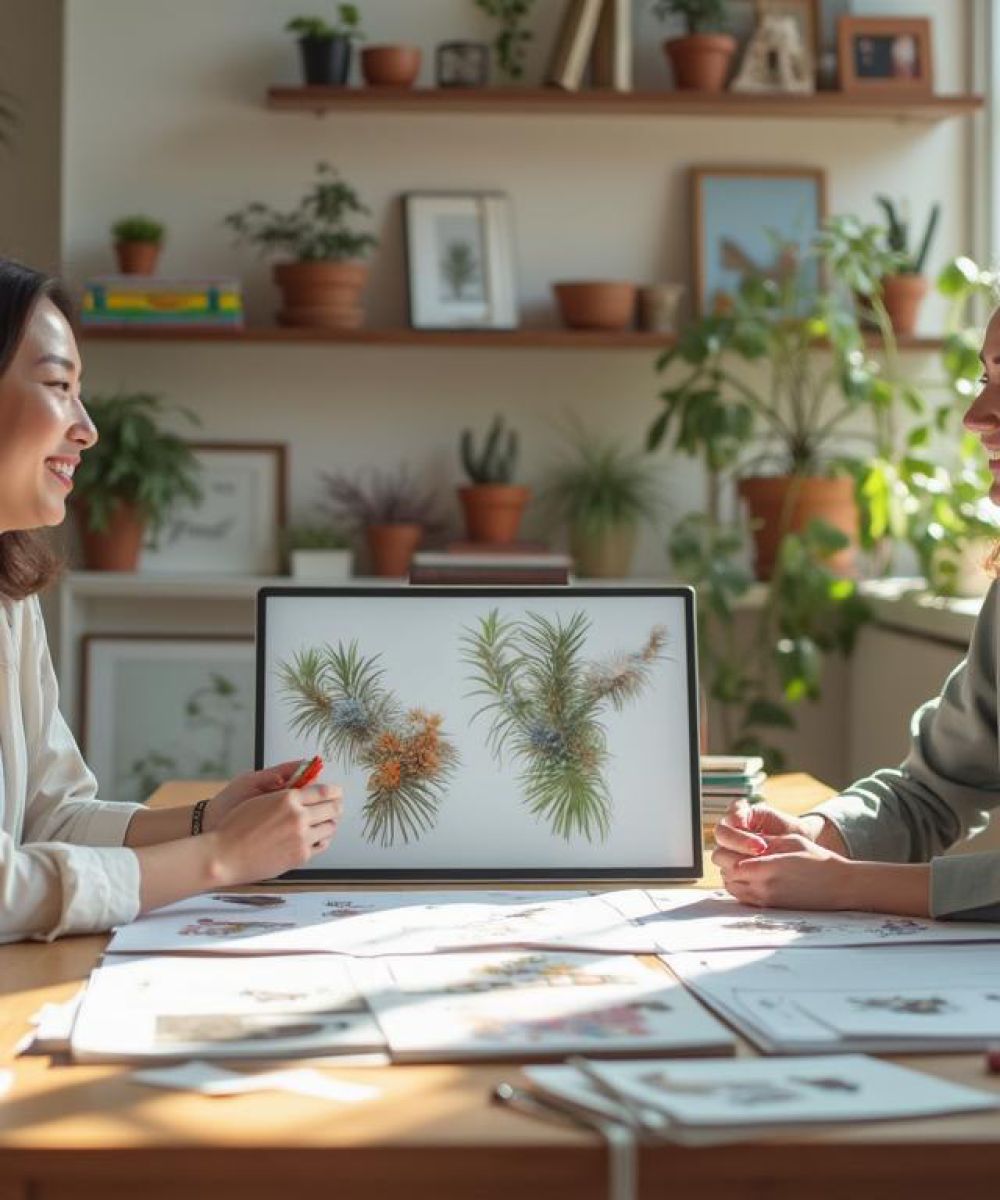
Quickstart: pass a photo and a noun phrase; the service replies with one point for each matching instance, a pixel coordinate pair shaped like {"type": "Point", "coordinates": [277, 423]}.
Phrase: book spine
{"type": "Point", "coordinates": [573, 44]}
{"type": "Point", "coordinates": [611, 62]}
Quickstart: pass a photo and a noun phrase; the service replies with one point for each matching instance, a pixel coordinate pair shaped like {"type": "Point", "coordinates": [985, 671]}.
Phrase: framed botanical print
{"type": "Point", "coordinates": [155, 708]}
{"type": "Point", "coordinates": [237, 527]}
{"type": "Point", "coordinates": [752, 221]}
{"type": "Point", "coordinates": [460, 260]}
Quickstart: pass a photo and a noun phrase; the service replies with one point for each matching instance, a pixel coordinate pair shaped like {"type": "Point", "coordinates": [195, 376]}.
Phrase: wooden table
{"type": "Point", "coordinates": [69, 1132]}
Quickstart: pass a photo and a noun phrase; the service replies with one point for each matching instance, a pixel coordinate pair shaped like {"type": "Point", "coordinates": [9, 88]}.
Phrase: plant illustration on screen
{"type": "Point", "coordinates": [545, 700]}
{"type": "Point", "coordinates": [339, 699]}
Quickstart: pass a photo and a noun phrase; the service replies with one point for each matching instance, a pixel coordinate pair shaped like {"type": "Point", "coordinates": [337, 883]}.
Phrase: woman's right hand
{"type": "Point", "coordinates": [265, 836]}
{"type": "Point", "coordinates": [745, 829]}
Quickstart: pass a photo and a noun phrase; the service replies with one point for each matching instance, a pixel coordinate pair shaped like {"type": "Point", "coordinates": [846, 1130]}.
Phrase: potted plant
{"type": "Point", "coordinates": [493, 506]}
{"type": "Point", "coordinates": [596, 304]}
{"type": "Point", "coordinates": [511, 43]}
{"type": "Point", "coordinates": [137, 241]}
{"type": "Point", "coordinates": [325, 48]}
{"type": "Point", "coordinates": [603, 492]}
{"type": "Point", "coordinates": [318, 552]}
{"type": "Point", "coordinates": [129, 482]}
{"type": "Point", "coordinates": [903, 290]}
{"type": "Point", "coordinates": [322, 284]}
{"type": "Point", "coordinates": [701, 60]}
{"type": "Point", "coordinates": [390, 65]}
{"type": "Point", "coordinates": [392, 511]}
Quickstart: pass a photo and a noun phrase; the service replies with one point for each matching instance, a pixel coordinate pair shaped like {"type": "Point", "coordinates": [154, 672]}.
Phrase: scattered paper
{"type": "Point", "coordinates": [6, 1082]}
{"type": "Point", "coordinates": [53, 1026]}
{"type": "Point", "coordinates": [212, 1080]}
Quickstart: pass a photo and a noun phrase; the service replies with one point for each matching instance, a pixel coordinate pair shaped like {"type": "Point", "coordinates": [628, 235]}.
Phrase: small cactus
{"type": "Point", "coordinates": [494, 465]}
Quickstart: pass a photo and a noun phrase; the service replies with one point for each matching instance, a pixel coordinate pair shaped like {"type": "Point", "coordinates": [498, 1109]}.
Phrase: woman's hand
{"type": "Point", "coordinates": [792, 871]}
{"type": "Point", "coordinates": [245, 787]}
{"type": "Point", "coordinates": [264, 836]}
{"type": "Point", "coordinates": [744, 832]}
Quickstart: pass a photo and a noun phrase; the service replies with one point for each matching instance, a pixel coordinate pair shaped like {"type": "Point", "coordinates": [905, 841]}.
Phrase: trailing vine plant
{"type": "Point", "coordinates": [511, 42]}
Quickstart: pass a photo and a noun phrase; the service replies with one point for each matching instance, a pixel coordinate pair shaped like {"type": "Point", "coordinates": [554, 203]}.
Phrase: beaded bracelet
{"type": "Point", "coordinates": [198, 816]}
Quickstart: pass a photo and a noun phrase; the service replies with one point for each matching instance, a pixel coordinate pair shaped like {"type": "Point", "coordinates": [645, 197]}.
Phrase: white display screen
{"type": "Point", "coordinates": [484, 733]}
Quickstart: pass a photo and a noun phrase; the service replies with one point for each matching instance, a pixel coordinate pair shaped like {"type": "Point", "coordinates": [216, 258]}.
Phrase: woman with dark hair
{"type": "Point", "coordinates": [70, 863]}
{"type": "Point", "coordinates": [877, 846]}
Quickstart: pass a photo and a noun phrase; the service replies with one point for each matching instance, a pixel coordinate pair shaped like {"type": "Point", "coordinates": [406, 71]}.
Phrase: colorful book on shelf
{"type": "Point", "coordinates": [611, 59]}
{"type": "Point", "coordinates": [131, 301]}
{"type": "Point", "coordinates": [573, 44]}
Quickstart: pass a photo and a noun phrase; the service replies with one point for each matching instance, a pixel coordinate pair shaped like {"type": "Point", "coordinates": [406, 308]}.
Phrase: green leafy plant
{"type": "Point", "coordinates": [136, 461]}
{"type": "Point", "coordinates": [380, 498]}
{"type": "Point", "coordinates": [512, 41]}
{"type": "Point", "coordinates": [313, 535]}
{"type": "Point", "coordinates": [348, 25]}
{"type": "Point", "coordinates": [496, 463]}
{"type": "Point", "coordinates": [700, 16]}
{"type": "Point", "coordinates": [316, 231]}
{"type": "Point", "coordinates": [339, 700]}
{"type": "Point", "coordinates": [544, 703]}
{"type": "Point", "coordinates": [138, 228]}
{"type": "Point", "coordinates": [898, 235]}
{"type": "Point", "coordinates": [602, 486]}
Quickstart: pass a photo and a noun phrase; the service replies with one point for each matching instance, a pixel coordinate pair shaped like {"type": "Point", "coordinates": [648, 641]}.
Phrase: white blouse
{"type": "Point", "coordinates": [63, 868]}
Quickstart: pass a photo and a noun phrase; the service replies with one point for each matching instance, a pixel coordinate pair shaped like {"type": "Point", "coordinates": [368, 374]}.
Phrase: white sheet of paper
{"type": "Point", "coordinates": [533, 1003]}
{"type": "Point", "coordinates": [941, 1013]}
{"type": "Point", "coordinates": [213, 1080]}
{"type": "Point", "coordinates": [680, 920]}
{"type": "Point", "coordinates": [53, 1025]}
{"type": "Point", "coordinates": [6, 1082]}
{"type": "Point", "coordinates": [757, 1092]}
{"type": "Point", "coordinates": [138, 1009]}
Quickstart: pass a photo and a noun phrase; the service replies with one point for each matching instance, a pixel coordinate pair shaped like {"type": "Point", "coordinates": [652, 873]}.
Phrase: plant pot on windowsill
{"type": "Point", "coordinates": [390, 66]}
{"type": "Point", "coordinates": [903, 296]}
{"type": "Point", "coordinates": [701, 61]}
{"type": "Point", "coordinates": [119, 546]}
{"type": "Point", "coordinates": [782, 504]}
{"type": "Point", "coordinates": [391, 547]}
{"type": "Point", "coordinates": [324, 294]}
{"type": "Point", "coordinates": [493, 511]}
{"type": "Point", "coordinates": [327, 566]}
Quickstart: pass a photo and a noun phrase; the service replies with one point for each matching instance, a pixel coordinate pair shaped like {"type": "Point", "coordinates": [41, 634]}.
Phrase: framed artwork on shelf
{"type": "Point", "coordinates": [462, 64]}
{"type": "Point", "coordinates": [886, 54]}
{"type": "Point", "coordinates": [154, 708]}
{"type": "Point", "coordinates": [808, 16]}
{"type": "Point", "coordinates": [460, 260]}
{"type": "Point", "coordinates": [237, 528]}
{"type": "Point", "coordinates": [752, 221]}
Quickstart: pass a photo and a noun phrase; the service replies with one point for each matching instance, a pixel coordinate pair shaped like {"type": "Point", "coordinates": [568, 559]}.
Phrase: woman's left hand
{"type": "Point", "coordinates": [245, 787]}
{"type": "Point", "coordinates": [793, 872]}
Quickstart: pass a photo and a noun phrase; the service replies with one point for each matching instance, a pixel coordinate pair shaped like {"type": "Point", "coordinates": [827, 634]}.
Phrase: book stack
{"type": "Point", "coordinates": [729, 777]}
{"type": "Point", "coordinates": [144, 301]}
{"type": "Point", "coordinates": [490, 563]}
{"type": "Point", "coordinates": [598, 32]}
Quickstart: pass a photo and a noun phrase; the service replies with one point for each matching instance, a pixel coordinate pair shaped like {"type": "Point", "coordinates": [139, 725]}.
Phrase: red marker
{"type": "Point", "coordinates": [306, 772]}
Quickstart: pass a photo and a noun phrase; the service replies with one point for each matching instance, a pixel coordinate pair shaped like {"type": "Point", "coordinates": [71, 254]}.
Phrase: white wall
{"type": "Point", "coordinates": [165, 113]}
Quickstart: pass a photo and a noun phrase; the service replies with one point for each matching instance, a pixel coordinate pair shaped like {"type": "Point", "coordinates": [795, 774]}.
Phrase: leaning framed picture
{"type": "Point", "coordinates": [752, 221]}
{"type": "Point", "coordinates": [165, 707]}
{"type": "Point", "coordinates": [237, 527]}
{"type": "Point", "coordinates": [808, 17]}
{"type": "Point", "coordinates": [460, 260]}
{"type": "Point", "coordinates": [886, 54]}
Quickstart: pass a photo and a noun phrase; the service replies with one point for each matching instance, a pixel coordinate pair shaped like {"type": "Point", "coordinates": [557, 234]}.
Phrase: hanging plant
{"type": "Point", "coordinates": [511, 42]}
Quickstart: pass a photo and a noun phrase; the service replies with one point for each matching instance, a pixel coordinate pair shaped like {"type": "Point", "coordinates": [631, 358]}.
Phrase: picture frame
{"type": "Point", "coordinates": [165, 706]}
{"type": "Point", "coordinates": [238, 527]}
{"type": "Point", "coordinates": [460, 260]}
{"type": "Point", "coordinates": [885, 54]}
{"type": "Point", "coordinates": [462, 64]}
{"type": "Point", "coordinates": [809, 17]}
{"type": "Point", "coordinates": [733, 209]}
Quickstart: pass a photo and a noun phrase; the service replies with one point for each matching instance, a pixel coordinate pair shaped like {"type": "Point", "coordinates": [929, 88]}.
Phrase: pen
{"type": "Point", "coordinates": [533, 1104]}
{"type": "Point", "coordinates": [306, 772]}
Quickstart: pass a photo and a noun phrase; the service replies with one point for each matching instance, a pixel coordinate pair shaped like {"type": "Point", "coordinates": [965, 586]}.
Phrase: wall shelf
{"type": "Point", "coordinates": [554, 102]}
{"type": "Point", "coordinates": [493, 339]}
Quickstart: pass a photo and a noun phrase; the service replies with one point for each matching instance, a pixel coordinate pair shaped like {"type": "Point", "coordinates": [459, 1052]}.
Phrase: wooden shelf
{"type": "Point", "coordinates": [494, 339]}
{"type": "Point", "coordinates": [554, 102]}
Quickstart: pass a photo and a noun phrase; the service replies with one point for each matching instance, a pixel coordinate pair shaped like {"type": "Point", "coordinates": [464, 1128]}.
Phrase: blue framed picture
{"type": "Point", "coordinates": [752, 221]}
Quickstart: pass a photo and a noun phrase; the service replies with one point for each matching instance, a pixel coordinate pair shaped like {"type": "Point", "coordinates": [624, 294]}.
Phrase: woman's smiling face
{"type": "Point", "coordinates": [44, 427]}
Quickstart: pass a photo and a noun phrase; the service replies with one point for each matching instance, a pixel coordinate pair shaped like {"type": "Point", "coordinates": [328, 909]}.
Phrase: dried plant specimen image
{"type": "Point", "coordinates": [339, 700]}
{"type": "Point", "coordinates": [544, 702]}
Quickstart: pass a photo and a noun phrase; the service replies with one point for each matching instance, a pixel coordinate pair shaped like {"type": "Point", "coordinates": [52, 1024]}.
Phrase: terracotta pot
{"type": "Point", "coordinates": [605, 553]}
{"type": "Point", "coordinates": [137, 258]}
{"type": "Point", "coordinates": [324, 294]}
{"type": "Point", "coordinates": [493, 511]}
{"type": "Point", "coordinates": [390, 66]}
{"type": "Point", "coordinates": [119, 547]}
{"type": "Point", "coordinates": [596, 304]}
{"type": "Point", "coordinates": [783, 504]}
{"type": "Point", "coordinates": [903, 296]}
{"type": "Point", "coordinates": [392, 546]}
{"type": "Point", "coordinates": [701, 61]}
